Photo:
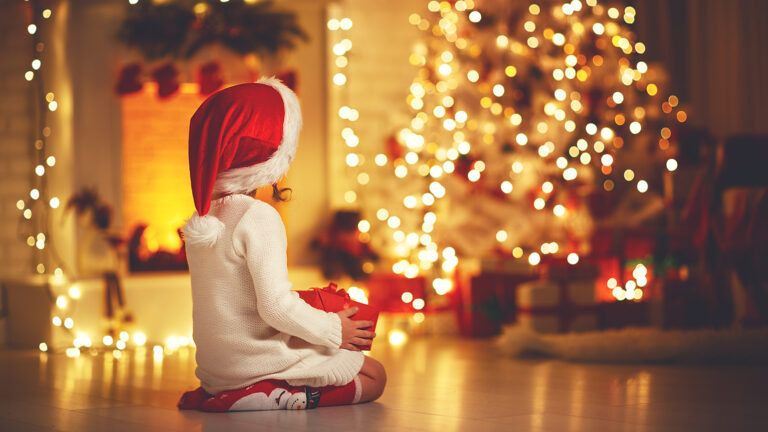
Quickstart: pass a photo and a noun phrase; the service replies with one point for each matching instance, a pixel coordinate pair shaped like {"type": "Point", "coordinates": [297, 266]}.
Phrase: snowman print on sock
{"type": "Point", "coordinates": [277, 399]}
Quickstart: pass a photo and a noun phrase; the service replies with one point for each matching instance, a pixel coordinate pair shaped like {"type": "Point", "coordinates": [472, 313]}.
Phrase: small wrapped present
{"type": "Point", "coordinates": [486, 297]}
{"type": "Point", "coordinates": [332, 299]}
{"type": "Point", "coordinates": [557, 306]}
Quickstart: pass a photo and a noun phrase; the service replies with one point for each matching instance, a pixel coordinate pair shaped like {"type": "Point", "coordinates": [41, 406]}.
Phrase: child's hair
{"type": "Point", "coordinates": [279, 194]}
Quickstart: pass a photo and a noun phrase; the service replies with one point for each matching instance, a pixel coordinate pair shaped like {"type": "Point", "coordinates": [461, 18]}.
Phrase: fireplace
{"type": "Point", "coordinates": [155, 181]}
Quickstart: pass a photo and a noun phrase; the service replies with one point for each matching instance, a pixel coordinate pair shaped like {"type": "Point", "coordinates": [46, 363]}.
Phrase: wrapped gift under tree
{"type": "Point", "coordinates": [486, 294]}
{"type": "Point", "coordinates": [557, 305]}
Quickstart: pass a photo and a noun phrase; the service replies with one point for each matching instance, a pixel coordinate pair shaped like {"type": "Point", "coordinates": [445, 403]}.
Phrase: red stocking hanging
{"type": "Point", "coordinates": [209, 78]}
{"type": "Point", "coordinates": [167, 78]}
{"type": "Point", "coordinates": [129, 80]}
{"type": "Point", "coordinates": [290, 79]}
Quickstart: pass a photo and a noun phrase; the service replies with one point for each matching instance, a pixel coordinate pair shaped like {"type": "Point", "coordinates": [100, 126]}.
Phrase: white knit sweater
{"type": "Point", "coordinates": [247, 323]}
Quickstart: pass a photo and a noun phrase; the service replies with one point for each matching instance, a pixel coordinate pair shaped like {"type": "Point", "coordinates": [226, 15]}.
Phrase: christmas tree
{"type": "Point", "coordinates": [518, 113]}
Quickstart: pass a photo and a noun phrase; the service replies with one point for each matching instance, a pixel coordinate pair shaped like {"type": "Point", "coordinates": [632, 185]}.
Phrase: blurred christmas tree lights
{"type": "Point", "coordinates": [519, 112]}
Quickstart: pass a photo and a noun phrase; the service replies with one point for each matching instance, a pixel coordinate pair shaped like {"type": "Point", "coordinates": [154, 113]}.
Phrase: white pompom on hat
{"type": "Point", "coordinates": [240, 138]}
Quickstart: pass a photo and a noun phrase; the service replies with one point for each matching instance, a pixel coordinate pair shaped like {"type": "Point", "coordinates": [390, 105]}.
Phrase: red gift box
{"type": "Point", "coordinates": [557, 306]}
{"type": "Point", "coordinates": [332, 299]}
{"type": "Point", "coordinates": [385, 290]}
{"type": "Point", "coordinates": [486, 294]}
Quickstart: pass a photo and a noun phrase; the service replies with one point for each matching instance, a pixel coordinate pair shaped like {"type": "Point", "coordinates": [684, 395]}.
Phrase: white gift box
{"type": "Point", "coordinates": [549, 306]}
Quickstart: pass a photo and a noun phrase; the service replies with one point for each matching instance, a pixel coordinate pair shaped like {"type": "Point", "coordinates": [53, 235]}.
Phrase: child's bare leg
{"type": "Point", "coordinates": [367, 386]}
{"type": "Point", "coordinates": [373, 378]}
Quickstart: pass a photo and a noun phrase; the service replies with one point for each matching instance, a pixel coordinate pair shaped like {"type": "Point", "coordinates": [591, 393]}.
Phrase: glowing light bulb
{"type": "Point", "coordinates": [418, 304]}
{"type": "Point", "coordinates": [339, 79]}
{"type": "Point", "coordinates": [570, 174]}
{"type": "Point", "coordinates": [139, 338]}
{"type": "Point", "coordinates": [671, 165]}
{"type": "Point", "coordinates": [397, 337]}
{"type": "Point", "coordinates": [559, 210]}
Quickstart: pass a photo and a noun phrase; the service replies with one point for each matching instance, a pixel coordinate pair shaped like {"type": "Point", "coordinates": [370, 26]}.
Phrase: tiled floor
{"type": "Point", "coordinates": [434, 384]}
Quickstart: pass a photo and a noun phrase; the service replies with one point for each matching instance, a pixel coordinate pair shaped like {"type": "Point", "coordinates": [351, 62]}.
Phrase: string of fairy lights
{"type": "Point", "coordinates": [37, 206]}
{"type": "Point", "coordinates": [340, 48]}
{"type": "Point", "coordinates": [341, 45]}
{"type": "Point", "coordinates": [36, 212]}
{"type": "Point", "coordinates": [442, 131]}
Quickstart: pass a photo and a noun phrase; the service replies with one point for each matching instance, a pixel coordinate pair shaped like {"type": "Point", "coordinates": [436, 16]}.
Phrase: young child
{"type": "Point", "coordinates": [259, 346]}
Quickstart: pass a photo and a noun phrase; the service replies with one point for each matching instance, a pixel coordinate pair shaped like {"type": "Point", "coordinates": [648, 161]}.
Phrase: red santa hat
{"type": "Point", "coordinates": [240, 138]}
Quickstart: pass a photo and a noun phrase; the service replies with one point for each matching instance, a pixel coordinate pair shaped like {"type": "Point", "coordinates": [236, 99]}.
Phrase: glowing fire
{"type": "Point", "coordinates": [155, 171]}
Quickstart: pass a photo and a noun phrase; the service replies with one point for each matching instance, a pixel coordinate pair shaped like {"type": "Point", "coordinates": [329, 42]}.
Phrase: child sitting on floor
{"type": "Point", "coordinates": [259, 346]}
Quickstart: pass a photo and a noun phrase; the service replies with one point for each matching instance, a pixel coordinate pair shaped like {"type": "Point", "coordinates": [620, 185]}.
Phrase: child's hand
{"type": "Point", "coordinates": [352, 332]}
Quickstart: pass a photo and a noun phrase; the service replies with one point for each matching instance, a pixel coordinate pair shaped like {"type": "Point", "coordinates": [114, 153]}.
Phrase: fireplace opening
{"type": "Point", "coordinates": [156, 196]}
{"type": "Point", "coordinates": [157, 199]}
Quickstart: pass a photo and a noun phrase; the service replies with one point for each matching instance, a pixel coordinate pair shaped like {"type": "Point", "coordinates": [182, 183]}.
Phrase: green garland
{"type": "Point", "coordinates": [179, 29]}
